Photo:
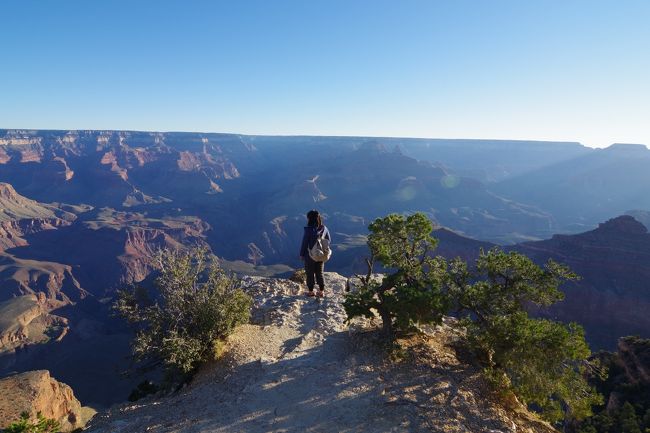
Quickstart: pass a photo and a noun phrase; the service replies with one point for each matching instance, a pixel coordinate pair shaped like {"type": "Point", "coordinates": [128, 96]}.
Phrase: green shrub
{"type": "Point", "coordinates": [627, 419]}
{"type": "Point", "coordinates": [299, 276]}
{"type": "Point", "coordinates": [544, 363]}
{"type": "Point", "coordinates": [41, 425]}
{"type": "Point", "coordinates": [411, 292]}
{"type": "Point", "coordinates": [195, 303]}
{"type": "Point", "coordinates": [144, 388]}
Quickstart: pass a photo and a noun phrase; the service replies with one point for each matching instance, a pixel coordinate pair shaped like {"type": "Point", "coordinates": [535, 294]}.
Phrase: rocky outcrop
{"type": "Point", "coordinates": [299, 367]}
{"type": "Point", "coordinates": [628, 375]}
{"type": "Point", "coordinates": [12, 233]}
{"type": "Point", "coordinates": [37, 392]}
{"type": "Point", "coordinates": [24, 277]}
{"type": "Point", "coordinates": [141, 239]}
{"type": "Point", "coordinates": [140, 246]}
{"type": "Point", "coordinates": [109, 159]}
{"type": "Point", "coordinates": [4, 157]}
{"type": "Point", "coordinates": [634, 357]}
{"type": "Point", "coordinates": [20, 217]}
{"type": "Point", "coordinates": [27, 320]}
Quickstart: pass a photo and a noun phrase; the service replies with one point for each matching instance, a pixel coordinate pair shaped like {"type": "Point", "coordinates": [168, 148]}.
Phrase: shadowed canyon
{"type": "Point", "coordinates": [82, 213]}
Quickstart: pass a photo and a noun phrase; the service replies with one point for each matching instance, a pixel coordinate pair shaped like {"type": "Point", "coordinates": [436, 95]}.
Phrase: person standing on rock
{"type": "Point", "coordinates": [313, 269]}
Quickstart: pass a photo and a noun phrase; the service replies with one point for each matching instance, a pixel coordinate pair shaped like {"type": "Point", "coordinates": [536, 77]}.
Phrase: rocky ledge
{"type": "Point", "coordinates": [300, 368]}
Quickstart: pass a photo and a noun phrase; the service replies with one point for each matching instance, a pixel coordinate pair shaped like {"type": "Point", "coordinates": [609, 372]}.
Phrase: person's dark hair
{"type": "Point", "coordinates": [314, 219]}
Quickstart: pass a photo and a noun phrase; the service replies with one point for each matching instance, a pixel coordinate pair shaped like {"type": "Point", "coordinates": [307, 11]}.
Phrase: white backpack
{"type": "Point", "coordinates": [321, 251]}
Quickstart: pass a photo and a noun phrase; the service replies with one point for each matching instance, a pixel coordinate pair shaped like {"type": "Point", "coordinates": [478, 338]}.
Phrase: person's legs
{"type": "Point", "coordinates": [318, 270]}
{"type": "Point", "coordinates": [309, 272]}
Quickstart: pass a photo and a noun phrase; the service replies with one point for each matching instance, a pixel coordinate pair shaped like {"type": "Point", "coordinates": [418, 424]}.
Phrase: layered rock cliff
{"type": "Point", "coordinates": [23, 277]}
{"type": "Point", "coordinates": [20, 217]}
{"type": "Point", "coordinates": [27, 320]}
{"type": "Point", "coordinates": [110, 167]}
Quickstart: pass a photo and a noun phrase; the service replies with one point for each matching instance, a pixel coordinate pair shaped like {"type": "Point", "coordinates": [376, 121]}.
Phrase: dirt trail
{"type": "Point", "coordinates": [298, 368]}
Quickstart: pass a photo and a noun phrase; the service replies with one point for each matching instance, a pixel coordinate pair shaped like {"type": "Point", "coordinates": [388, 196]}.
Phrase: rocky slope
{"type": "Point", "coordinates": [37, 391]}
{"type": "Point", "coordinates": [69, 329]}
{"type": "Point", "coordinates": [613, 297]}
{"type": "Point", "coordinates": [54, 280]}
{"type": "Point", "coordinates": [634, 358]}
{"type": "Point", "coordinates": [299, 368]}
{"type": "Point", "coordinates": [20, 216]}
{"type": "Point", "coordinates": [625, 388]}
{"type": "Point", "coordinates": [31, 290]}
{"type": "Point", "coordinates": [26, 320]}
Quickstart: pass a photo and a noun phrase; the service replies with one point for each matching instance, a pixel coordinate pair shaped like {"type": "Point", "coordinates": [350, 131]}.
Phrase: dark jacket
{"type": "Point", "coordinates": [309, 238]}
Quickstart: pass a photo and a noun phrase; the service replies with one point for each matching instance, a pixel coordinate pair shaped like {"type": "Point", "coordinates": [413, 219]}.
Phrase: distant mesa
{"type": "Point", "coordinates": [374, 146]}
{"type": "Point", "coordinates": [628, 147]}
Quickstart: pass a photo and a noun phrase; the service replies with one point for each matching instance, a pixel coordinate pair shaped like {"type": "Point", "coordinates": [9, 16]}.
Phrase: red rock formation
{"type": "Point", "coordinates": [37, 392]}
{"type": "Point", "coordinates": [26, 320]}
{"type": "Point", "coordinates": [12, 232]}
{"type": "Point", "coordinates": [188, 161]}
{"type": "Point", "coordinates": [20, 216]}
{"type": "Point", "coordinates": [139, 248]}
{"type": "Point", "coordinates": [31, 277]}
{"type": "Point", "coordinates": [65, 172]}
{"type": "Point", "coordinates": [110, 159]}
{"type": "Point", "coordinates": [30, 156]}
{"type": "Point", "coordinates": [4, 157]}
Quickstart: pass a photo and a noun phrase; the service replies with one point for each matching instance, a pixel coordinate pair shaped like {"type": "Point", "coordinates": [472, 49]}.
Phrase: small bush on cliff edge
{"type": "Point", "coordinates": [195, 304]}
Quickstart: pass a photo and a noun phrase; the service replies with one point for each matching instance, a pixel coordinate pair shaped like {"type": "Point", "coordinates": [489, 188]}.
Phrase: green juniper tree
{"type": "Point", "coordinates": [410, 293]}
{"type": "Point", "coordinates": [541, 361]}
{"type": "Point", "coordinates": [627, 419]}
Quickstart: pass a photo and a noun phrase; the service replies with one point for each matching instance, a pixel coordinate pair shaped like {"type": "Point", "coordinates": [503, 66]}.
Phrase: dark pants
{"type": "Point", "coordinates": [314, 269]}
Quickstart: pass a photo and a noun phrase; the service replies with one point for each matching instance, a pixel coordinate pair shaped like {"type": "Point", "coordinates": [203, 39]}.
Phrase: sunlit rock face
{"type": "Point", "coordinates": [73, 166]}
{"type": "Point", "coordinates": [36, 392]}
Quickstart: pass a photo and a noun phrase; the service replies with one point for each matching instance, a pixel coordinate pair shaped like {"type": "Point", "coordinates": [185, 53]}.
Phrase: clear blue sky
{"type": "Point", "coordinates": [575, 70]}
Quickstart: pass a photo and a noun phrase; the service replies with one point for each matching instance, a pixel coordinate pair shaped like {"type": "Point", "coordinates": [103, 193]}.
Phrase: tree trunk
{"type": "Point", "coordinates": [386, 324]}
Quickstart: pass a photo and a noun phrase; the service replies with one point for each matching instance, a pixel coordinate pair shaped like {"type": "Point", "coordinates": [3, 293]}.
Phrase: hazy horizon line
{"type": "Point", "coordinates": [408, 137]}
